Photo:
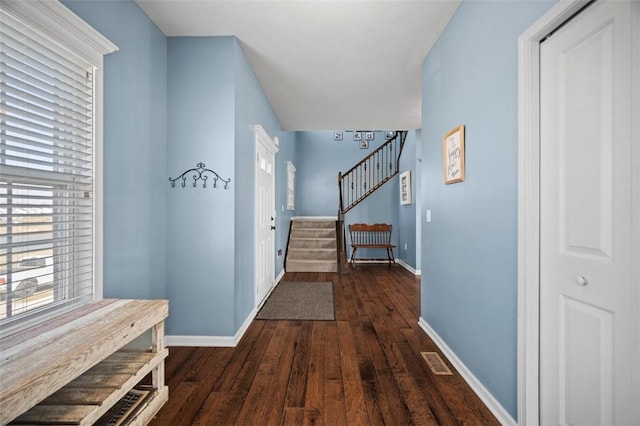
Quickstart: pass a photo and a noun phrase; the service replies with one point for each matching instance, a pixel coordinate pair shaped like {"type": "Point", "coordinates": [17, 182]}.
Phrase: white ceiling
{"type": "Point", "coordinates": [324, 64]}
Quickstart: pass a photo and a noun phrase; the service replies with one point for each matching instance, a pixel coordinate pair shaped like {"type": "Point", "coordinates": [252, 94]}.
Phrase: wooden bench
{"type": "Point", "coordinates": [74, 368]}
{"type": "Point", "coordinates": [377, 236]}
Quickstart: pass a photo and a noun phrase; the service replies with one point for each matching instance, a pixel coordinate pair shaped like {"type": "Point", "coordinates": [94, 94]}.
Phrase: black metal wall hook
{"type": "Point", "coordinates": [199, 174]}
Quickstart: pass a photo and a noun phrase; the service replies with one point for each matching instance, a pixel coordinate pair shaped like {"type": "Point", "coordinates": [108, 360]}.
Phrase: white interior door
{"type": "Point", "coordinates": [588, 218]}
{"type": "Point", "coordinates": [265, 213]}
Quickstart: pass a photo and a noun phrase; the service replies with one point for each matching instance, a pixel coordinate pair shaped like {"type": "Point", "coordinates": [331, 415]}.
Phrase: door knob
{"type": "Point", "coordinates": [273, 227]}
{"type": "Point", "coordinates": [580, 280]}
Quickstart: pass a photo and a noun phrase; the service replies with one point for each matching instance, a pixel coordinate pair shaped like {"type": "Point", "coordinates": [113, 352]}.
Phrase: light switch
{"type": "Point", "coordinates": [428, 215]}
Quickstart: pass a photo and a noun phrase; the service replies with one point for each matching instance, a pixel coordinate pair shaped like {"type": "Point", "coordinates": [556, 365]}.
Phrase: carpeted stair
{"type": "Point", "coordinates": [312, 246]}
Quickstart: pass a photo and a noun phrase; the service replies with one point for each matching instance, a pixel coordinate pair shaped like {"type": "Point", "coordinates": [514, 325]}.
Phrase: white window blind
{"type": "Point", "coordinates": [46, 173]}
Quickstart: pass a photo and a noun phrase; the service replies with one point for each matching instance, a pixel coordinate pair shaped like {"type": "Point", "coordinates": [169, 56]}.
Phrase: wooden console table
{"type": "Point", "coordinates": [76, 367]}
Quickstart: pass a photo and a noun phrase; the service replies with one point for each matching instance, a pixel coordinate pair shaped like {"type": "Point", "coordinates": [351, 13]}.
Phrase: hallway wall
{"type": "Point", "coordinates": [469, 249]}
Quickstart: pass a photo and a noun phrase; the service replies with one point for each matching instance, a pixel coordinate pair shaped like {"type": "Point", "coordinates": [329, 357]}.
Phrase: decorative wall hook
{"type": "Point", "coordinates": [199, 173]}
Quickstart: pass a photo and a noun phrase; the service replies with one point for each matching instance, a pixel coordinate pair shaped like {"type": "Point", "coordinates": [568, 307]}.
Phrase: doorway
{"type": "Point", "coordinates": [578, 216]}
{"type": "Point", "coordinates": [266, 150]}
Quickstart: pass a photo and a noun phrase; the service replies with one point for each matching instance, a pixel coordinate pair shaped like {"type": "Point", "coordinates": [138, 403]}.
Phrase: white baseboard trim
{"type": "Point", "coordinates": [212, 341]}
{"type": "Point", "coordinates": [275, 284]}
{"type": "Point", "coordinates": [370, 261]}
{"type": "Point", "coordinates": [408, 267]}
{"type": "Point", "coordinates": [209, 341]}
{"type": "Point", "coordinates": [243, 328]}
{"type": "Point", "coordinates": [494, 406]}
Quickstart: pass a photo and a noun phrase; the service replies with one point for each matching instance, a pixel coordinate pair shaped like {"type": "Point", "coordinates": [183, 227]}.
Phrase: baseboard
{"type": "Point", "coordinates": [371, 261]}
{"type": "Point", "coordinates": [278, 278]}
{"type": "Point", "coordinates": [209, 341]}
{"type": "Point", "coordinates": [408, 267]}
{"type": "Point", "coordinates": [212, 341]}
{"type": "Point", "coordinates": [275, 284]}
{"type": "Point", "coordinates": [494, 406]}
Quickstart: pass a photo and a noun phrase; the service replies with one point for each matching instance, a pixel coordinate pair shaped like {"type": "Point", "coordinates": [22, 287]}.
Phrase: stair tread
{"type": "Point", "coordinates": [324, 239]}
{"type": "Point", "coordinates": [313, 248]}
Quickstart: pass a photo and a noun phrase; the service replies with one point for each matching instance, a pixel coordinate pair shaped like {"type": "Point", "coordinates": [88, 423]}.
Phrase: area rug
{"type": "Point", "coordinates": [297, 300]}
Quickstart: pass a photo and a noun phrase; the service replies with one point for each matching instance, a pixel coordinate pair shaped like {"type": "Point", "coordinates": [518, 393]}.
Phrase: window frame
{"type": "Point", "coordinates": [59, 24]}
{"type": "Point", "coordinates": [291, 186]}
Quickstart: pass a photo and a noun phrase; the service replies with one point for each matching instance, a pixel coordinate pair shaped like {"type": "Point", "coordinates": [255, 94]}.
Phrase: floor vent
{"type": "Point", "coordinates": [122, 410]}
{"type": "Point", "coordinates": [436, 364]}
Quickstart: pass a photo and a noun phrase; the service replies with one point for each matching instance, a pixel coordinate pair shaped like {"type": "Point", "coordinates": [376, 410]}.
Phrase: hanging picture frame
{"type": "Point", "coordinates": [453, 155]}
{"type": "Point", "coordinates": [405, 187]}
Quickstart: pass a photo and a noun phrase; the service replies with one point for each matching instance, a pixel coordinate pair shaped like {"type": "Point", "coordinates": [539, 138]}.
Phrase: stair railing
{"type": "Point", "coordinates": [371, 172]}
{"type": "Point", "coordinates": [362, 180]}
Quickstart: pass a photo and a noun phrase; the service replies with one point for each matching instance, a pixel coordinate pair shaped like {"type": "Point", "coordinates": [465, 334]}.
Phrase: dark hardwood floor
{"type": "Point", "coordinates": [365, 368]}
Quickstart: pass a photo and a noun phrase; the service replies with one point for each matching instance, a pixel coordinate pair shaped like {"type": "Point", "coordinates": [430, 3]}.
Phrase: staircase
{"type": "Point", "coordinates": [362, 180]}
{"type": "Point", "coordinates": [312, 246]}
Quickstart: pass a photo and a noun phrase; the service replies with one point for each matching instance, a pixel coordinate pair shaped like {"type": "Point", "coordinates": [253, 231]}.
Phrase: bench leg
{"type": "Point", "coordinates": [353, 257]}
{"type": "Point", "coordinates": [390, 256]}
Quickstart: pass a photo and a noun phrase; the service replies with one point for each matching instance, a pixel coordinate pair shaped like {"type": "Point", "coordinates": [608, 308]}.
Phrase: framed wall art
{"type": "Point", "coordinates": [405, 187]}
{"type": "Point", "coordinates": [453, 155]}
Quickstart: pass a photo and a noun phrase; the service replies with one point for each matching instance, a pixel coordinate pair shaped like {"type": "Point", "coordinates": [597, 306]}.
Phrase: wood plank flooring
{"type": "Point", "coordinates": [365, 368]}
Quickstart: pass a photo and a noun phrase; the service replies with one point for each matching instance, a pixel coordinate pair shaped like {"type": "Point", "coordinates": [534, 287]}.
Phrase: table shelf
{"type": "Point", "coordinates": [83, 367]}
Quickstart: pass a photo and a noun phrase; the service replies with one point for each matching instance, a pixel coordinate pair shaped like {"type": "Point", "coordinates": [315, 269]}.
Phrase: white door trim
{"type": "Point", "coordinates": [271, 145]}
{"type": "Point", "coordinates": [529, 204]}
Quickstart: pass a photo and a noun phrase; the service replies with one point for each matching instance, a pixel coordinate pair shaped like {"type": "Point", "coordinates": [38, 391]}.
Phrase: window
{"type": "Point", "coordinates": [291, 186]}
{"type": "Point", "coordinates": [49, 161]}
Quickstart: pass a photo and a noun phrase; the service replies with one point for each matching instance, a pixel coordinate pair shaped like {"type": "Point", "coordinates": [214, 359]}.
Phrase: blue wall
{"type": "Point", "coordinates": [319, 159]}
{"type": "Point", "coordinates": [407, 212]}
{"type": "Point", "coordinates": [469, 258]}
{"type": "Point", "coordinates": [135, 149]}
{"type": "Point", "coordinates": [214, 102]}
{"type": "Point", "coordinates": [201, 222]}
{"type": "Point", "coordinates": [170, 103]}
